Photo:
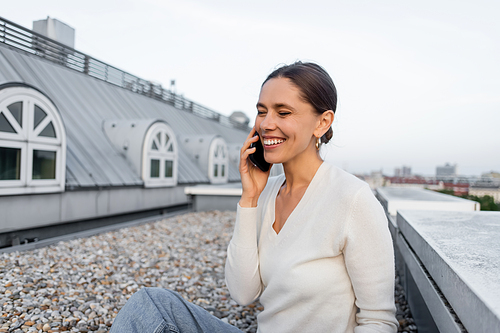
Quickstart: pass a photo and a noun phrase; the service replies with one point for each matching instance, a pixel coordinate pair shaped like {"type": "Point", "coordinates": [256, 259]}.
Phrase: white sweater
{"type": "Point", "coordinates": [330, 268]}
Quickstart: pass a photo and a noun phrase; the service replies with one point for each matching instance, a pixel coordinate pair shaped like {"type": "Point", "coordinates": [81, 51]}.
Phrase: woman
{"type": "Point", "coordinates": [312, 243]}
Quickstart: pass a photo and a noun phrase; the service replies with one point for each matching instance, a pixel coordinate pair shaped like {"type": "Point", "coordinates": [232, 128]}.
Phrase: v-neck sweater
{"type": "Point", "coordinates": [329, 269]}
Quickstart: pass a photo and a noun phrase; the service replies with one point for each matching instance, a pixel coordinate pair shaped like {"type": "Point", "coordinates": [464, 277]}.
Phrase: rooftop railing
{"type": "Point", "coordinates": [28, 41]}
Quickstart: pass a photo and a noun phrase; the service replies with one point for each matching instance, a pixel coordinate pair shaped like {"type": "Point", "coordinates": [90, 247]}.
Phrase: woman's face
{"type": "Point", "coordinates": [285, 122]}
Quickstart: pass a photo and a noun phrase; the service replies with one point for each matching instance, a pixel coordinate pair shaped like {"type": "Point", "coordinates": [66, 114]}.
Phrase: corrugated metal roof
{"type": "Point", "coordinates": [85, 102]}
{"type": "Point", "coordinates": [7, 72]}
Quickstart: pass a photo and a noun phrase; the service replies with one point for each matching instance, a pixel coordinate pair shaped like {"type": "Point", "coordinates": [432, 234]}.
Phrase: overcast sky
{"type": "Point", "coordinates": [418, 81]}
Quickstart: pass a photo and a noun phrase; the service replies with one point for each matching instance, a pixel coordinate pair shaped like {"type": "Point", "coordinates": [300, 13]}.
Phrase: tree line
{"type": "Point", "coordinates": [487, 201]}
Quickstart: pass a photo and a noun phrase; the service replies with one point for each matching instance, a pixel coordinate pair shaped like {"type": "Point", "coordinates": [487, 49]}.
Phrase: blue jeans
{"type": "Point", "coordinates": [156, 310]}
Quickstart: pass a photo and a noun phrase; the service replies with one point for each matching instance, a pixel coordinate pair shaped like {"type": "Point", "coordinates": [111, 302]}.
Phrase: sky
{"type": "Point", "coordinates": [418, 81]}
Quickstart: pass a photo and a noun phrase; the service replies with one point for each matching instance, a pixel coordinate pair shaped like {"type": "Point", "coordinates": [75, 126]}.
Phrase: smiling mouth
{"type": "Point", "coordinates": [273, 142]}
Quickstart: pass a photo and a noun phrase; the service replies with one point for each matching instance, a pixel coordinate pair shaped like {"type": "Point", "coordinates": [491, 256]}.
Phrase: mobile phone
{"type": "Point", "coordinates": [257, 158]}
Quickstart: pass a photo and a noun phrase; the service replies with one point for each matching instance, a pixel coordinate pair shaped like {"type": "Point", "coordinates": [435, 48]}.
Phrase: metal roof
{"type": "Point", "coordinates": [85, 102]}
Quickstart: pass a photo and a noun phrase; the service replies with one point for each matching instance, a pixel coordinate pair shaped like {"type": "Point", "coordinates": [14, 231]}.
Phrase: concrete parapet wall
{"type": "Point", "coordinates": [460, 252]}
{"type": "Point", "coordinates": [448, 256]}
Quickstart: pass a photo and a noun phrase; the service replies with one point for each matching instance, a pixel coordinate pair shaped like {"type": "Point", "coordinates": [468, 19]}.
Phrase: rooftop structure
{"type": "Point", "coordinates": [97, 141]}
{"type": "Point", "coordinates": [55, 30]}
{"type": "Point", "coordinates": [240, 117]}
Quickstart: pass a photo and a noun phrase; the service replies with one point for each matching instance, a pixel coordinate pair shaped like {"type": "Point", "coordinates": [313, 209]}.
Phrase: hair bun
{"type": "Point", "coordinates": [327, 136]}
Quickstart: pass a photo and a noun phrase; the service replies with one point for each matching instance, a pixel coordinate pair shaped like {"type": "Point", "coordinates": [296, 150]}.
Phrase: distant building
{"type": "Point", "coordinates": [491, 174]}
{"type": "Point", "coordinates": [404, 171]}
{"type": "Point", "coordinates": [415, 182]}
{"type": "Point", "coordinates": [480, 190]}
{"type": "Point", "coordinates": [458, 188]}
{"type": "Point", "coordinates": [447, 170]}
{"type": "Point", "coordinates": [375, 180]}
{"type": "Point", "coordinates": [397, 172]}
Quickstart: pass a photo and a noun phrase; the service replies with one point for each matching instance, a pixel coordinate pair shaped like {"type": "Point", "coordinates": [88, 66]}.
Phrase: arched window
{"type": "Point", "coordinates": [218, 161]}
{"type": "Point", "coordinates": [160, 156]}
{"type": "Point", "coordinates": [32, 143]}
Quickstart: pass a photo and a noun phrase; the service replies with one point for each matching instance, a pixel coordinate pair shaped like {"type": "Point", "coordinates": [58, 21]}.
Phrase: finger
{"type": "Point", "coordinates": [251, 134]}
{"type": "Point", "coordinates": [246, 153]}
{"type": "Point", "coordinates": [248, 142]}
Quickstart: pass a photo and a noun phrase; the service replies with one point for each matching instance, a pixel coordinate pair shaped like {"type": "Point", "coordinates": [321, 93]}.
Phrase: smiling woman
{"type": "Point", "coordinates": [313, 243]}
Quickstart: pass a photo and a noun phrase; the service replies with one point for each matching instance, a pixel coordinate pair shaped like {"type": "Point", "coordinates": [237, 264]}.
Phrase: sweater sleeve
{"type": "Point", "coordinates": [242, 264]}
{"type": "Point", "coordinates": [369, 258]}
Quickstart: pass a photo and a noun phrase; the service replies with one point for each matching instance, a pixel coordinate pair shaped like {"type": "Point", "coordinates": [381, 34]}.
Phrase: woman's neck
{"type": "Point", "coordinates": [299, 173]}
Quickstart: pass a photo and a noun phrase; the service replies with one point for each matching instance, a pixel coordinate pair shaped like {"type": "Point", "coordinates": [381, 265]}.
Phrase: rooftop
{"type": "Point", "coordinates": [88, 93]}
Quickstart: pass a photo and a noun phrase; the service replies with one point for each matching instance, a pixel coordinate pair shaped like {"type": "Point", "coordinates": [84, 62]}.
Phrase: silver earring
{"type": "Point", "coordinates": [318, 143]}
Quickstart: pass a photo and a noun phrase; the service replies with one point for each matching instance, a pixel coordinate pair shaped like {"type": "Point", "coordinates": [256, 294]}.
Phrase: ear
{"type": "Point", "coordinates": [325, 121]}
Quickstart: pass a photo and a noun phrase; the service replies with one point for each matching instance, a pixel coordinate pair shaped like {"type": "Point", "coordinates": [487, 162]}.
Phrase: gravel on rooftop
{"type": "Point", "coordinates": [80, 285]}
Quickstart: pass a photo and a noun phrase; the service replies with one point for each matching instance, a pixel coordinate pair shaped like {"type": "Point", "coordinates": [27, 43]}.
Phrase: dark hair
{"type": "Point", "coordinates": [315, 84]}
